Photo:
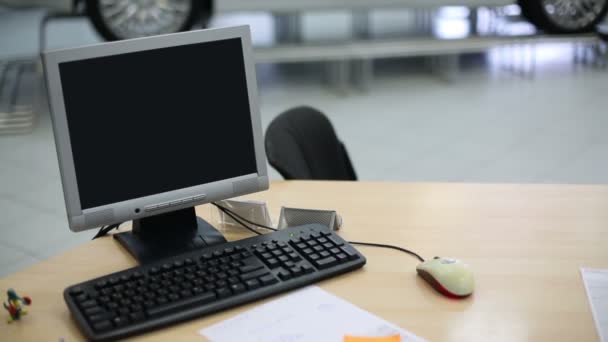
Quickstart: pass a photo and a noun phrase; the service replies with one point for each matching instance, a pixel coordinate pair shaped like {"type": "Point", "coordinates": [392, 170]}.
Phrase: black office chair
{"type": "Point", "coordinates": [301, 144]}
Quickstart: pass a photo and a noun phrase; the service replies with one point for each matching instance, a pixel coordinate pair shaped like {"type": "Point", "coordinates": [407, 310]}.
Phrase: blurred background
{"type": "Point", "coordinates": [418, 90]}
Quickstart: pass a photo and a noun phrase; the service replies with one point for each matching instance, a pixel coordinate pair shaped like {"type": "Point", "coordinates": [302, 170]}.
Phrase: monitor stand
{"type": "Point", "coordinates": [156, 237]}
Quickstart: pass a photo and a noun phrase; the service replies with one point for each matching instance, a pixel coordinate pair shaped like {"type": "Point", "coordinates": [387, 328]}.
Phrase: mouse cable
{"type": "Point", "coordinates": [233, 215]}
{"type": "Point", "coordinates": [226, 210]}
{"type": "Point", "coordinates": [103, 231]}
{"type": "Point", "coordinates": [379, 245]}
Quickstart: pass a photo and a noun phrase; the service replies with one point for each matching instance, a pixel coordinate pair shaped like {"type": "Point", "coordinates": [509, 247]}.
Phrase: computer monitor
{"type": "Point", "coordinates": [148, 128]}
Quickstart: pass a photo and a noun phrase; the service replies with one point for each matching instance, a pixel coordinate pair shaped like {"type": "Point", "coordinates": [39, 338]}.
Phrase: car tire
{"type": "Point", "coordinates": [549, 15]}
{"type": "Point", "coordinates": [104, 15]}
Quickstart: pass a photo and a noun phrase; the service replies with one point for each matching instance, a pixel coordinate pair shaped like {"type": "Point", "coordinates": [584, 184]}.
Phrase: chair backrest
{"type": "Point", "coordinates": [301, 144]}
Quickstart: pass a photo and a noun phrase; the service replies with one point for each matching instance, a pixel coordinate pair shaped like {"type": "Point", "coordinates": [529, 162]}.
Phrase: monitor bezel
{"type": "Point", "coordinates": [81, 219]}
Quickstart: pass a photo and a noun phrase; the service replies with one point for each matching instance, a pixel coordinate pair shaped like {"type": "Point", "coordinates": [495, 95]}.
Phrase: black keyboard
{"type": "Point", "coordinates": [199, 283]}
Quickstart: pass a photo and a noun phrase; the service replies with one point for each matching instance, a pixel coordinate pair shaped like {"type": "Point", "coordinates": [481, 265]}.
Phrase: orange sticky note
{"type": "Point", "coordinates": [394, 338]}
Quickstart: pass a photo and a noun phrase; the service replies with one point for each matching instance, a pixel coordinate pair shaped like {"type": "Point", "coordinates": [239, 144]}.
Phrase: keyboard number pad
{"type": "Point", "coordinates": [324, 250]}
{"type": "Point", "coordinates": [283, 259]}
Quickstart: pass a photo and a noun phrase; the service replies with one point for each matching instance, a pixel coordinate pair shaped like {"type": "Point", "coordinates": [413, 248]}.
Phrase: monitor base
{"type": "Point", "coordinates": [165, 235]}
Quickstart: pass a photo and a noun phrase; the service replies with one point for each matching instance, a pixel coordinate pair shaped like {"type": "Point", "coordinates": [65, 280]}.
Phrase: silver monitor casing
{"type": "Point", "coordinates": [82, 219]}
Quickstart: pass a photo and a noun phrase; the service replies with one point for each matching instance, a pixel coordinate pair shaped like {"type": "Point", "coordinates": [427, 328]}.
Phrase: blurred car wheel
{"type": "Point", "coordinates": [564, 16]}
{"type": "Point", "coordinates": [124, 19]}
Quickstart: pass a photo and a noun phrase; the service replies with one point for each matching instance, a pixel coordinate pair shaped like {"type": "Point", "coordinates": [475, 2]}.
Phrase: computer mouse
{"type": "Point", "coordinates": [450, 277]}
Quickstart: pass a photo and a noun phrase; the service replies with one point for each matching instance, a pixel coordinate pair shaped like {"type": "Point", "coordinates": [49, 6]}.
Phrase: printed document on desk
{"type": "Point", "coordinates": [596, 284]}
{"type": "Point", "coordinates": [310, 314]}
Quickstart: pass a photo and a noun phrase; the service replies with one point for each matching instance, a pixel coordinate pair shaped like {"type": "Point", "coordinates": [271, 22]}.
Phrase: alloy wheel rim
{"type": "Point", "coordinates": [573, 14]}
{"type": "Point", "coordinates": [140, 18]}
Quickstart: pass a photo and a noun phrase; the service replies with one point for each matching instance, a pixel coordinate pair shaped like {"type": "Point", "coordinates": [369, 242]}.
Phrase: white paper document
{"type": "Point", "coordinates": [596, 284]}
{"type": "Point", "coordinates": [310, 314]}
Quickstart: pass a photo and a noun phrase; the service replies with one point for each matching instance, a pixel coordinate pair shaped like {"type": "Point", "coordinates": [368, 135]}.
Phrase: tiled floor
{"type": "Point", "coordinates": [485, 126]}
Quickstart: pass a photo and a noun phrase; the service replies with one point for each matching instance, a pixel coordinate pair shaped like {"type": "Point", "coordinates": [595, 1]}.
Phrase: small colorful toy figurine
{"type": "Point", "coordinates": [15, 305]}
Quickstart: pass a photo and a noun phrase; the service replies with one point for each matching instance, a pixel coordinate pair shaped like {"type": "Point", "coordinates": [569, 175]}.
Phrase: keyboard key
{"type": "Point", "coordinates": [76, 291]}
{"type": "Point", "coordinates": [238, 288]}
{"type": "Point", "coordinates": [88, 304]}
{"type": "Point", "coordinates": [351, 255]}
{"type": "Point", "coordinates": [137, 316]}
{"type": "Point", "coordinates": [102, 326]}
{"type": "Point", "coordinates": [137, 307]}
{"type": "Point", "coordinates": [307, 268]}
{"type": "Point", "coordinates": [182, 304]}
{"type": "Point", "coordinates": [254, 274]}
{"type": "Point", "coordinates": [294, 256]}
{"type": "Point", "coordinates": [252, 284]}
{"type": "Point", "coordinates": [223, 292]}
{"type": "Point", "coordinates": [105, 316]}
{"type": "Point", "coordinates": [326, 262]}
{"type": "Point", "coordinates": [324, 254]}
{"type": "Point", "coordinates": [93, 311]}
{"type": "Point", "coordinates": [101, 284]}
{"type": "Point", "coordinates": [249, 268]}
{"type": "Point", "coordinates": [120, 321]}
{"type": "Point", "coordinates": [284, 274]}
{"type": "Point", "coordinates": [268, 279]}
{"type": "Point", "coordinates": [335, 241]}
{"type": "Point", "coordinates": [296, 271]}
{"type": "Point", "coordinates": [266, 255]}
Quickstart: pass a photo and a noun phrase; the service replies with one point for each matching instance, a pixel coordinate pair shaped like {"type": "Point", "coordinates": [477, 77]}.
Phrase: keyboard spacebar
{"type": "Point", "coordinates": [181, 305]}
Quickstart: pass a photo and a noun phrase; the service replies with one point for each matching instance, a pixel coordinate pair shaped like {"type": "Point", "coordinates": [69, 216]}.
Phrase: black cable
{"type": "Point", "coordinates": [224, 209]}
{"type": "Point", "coordinates": [368, 244]}
{"type": "Point", "coordinates": [230, 213]}
{"type": "Point", "coordinates": [103, 231]}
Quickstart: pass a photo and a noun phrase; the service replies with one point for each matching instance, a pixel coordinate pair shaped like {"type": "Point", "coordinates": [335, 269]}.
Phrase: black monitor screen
{"type": "Point", "coordinates": [154, 121]}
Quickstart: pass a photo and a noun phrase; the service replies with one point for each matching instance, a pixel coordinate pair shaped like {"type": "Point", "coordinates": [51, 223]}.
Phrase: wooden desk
{"type": "Point", "coordinates": [525, 243]}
